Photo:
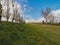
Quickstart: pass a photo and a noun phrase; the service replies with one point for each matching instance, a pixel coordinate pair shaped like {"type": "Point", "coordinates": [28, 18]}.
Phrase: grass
{"type": "Point", "coordinates": [29, 34]}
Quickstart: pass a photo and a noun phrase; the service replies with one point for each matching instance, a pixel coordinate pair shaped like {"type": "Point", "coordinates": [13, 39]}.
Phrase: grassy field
{"type": "Point", "coordinates": [29, 34]}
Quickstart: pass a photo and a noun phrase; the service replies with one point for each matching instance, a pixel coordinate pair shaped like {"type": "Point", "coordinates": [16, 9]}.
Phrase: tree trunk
{"type": "Point", "coordinates": [7, 19]}
{"type": "Point", "coordinates": [12, 19]}
{"type": "Point", "coordinates": [46, 19]}
{"type": "Point", "coordinates": [0, 18]}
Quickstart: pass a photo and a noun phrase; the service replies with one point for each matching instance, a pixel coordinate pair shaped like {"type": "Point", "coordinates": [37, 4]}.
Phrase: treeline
{"type": "Point", "coordinates": [49, 17]}
{"type": "Point", "coordinates": [16, 16]}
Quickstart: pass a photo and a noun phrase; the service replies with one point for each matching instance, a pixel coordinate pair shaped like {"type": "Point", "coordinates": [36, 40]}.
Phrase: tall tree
{"type": "Point", "coordinates": [8, 9]}
{"type": "Point", "coordinates": [17, 16]}
{"type": "Point", "coordinates": [13, 11]}
{"type": "Point", "coordinates": [45, 13]}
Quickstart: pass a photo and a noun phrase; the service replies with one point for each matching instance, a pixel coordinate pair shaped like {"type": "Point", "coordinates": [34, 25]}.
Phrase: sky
{"type": "Point", "coordinates": [31, 9]}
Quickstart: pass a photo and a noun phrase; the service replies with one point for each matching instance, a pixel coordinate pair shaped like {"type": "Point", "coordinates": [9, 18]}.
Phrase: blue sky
{"type": "Point", "coordinates": [34, 7]}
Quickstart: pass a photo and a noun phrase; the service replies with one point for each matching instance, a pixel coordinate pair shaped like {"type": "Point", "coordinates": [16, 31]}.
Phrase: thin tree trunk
{"type": "Point", "coordinates": [0, 18]}
{"type": "Point", "coordinates": [46, 20]}
{"type": "Point", "coordinates": [13, 19]}
{"type": "Point", "coordinates": [7, 19]}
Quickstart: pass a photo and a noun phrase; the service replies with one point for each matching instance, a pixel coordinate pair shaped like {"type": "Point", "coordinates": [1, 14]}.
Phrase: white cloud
{"type": "Point", "coordinates": [24, 1]}
{"type": "Point", "coordinates": [57, 15]}
{"type": "Point", "coordinates": [33, 20]}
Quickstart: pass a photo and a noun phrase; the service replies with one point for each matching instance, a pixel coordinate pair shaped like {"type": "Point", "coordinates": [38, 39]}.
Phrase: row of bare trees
{"type": "Point", "coordinates": [16, 14]}
{"type": "Point", "coordinates": [48, 15]}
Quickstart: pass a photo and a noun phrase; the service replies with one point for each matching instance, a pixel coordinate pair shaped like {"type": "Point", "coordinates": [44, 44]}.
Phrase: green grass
{"type": "Point", "coordinates": [29, 34]}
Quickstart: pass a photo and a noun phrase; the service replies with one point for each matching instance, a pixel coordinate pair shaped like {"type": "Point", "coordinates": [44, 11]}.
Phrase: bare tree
{"type": "Point", "coordinates": [8, 9]}
{"type": "Point", "coordinates": [51, 18]}
{"type": "Point", "coordinates": [13, 11]}
{"type": "Point", "coordinates": [45, 13]}
{"type": "Point", "coordinates": [16, 14]}
{"type": "Point", "coordinates": [21, 20]}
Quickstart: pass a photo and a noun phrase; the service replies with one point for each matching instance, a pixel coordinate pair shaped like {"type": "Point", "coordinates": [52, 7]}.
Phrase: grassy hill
{"type": "Point", "coordinates": [29, 34]}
